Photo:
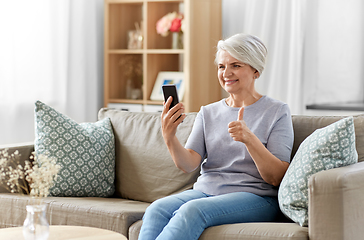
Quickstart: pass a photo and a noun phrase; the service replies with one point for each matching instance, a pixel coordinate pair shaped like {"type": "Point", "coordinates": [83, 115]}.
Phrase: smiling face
{"type": "Point", "coordinates": [234, 76]}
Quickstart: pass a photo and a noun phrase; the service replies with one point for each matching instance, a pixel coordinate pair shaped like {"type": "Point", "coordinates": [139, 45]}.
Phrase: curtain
{"type": "Point", "coordinates": [315, 48]}
{"type": "Point", "coordinates": [281, 26]}
{"type": "Point", "coordinates": [334, 52]}
{"type": "Point", "coordinates": [50, 51]}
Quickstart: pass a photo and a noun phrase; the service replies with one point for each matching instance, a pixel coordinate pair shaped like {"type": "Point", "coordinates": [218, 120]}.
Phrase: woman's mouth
{"type": "Point", "coordinates": [229, 82]}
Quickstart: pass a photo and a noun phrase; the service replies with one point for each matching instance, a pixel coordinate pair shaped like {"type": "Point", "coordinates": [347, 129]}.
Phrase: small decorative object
{"type": "Point", "coordinates": [36, 225]}
{"type": "Point", "coordinates": [35, 178]}
{"type": "Point", "coordinates": [172, 22]}
{"type": "Point", "coordinates": [164, 78]}
{"type": "Point", "coordinates": [136, 93]}
{"type": "Point", "coordinates": [177, 40]}
{"type": "Point", "coordinates": [132, 70]}
{"type": "Point", "coordinates": [135, 38]}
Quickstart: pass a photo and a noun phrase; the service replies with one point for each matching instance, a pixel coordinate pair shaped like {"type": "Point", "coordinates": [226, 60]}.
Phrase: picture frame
{"type": "Point", "coordinates": [165, 78]}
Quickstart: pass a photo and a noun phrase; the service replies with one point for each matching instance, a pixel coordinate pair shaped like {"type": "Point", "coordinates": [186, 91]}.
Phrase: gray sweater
{"type": "Point", "coordinates": [227, 166]}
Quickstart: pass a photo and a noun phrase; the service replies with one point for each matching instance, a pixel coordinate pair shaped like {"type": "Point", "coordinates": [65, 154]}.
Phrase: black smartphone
{"type": "Point", "coordinates": [170, 90]}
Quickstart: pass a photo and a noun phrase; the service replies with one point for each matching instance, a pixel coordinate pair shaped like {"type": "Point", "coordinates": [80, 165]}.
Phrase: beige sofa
{"type": "Point", "coordinates": [145, 172]}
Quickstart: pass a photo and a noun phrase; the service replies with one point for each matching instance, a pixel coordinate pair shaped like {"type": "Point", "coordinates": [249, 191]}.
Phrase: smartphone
{"type": "Point", "coordinates": [170, 90]}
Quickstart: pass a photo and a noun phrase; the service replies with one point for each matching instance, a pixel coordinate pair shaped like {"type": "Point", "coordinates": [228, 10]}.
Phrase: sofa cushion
{"type": "Point", "coordinates": [145, 170]}
{"type": "Point", "coordinates": [256, 231]}
{"type": "Point", "coordinates": [107, 213]}
{"type": "Point", "coordinates": [303, 126]}
{"type": "Point", "coordinates": [326, 148]}
{"type": "Point", "coordinates": [85, 152]}
{"type": "Point", "coordinates": [244, 231]}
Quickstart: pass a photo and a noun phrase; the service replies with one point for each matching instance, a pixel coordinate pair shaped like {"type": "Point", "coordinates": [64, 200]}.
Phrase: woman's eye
{"type": "Point", "coordinates": [236, 66]}
{"type": "Point", "coordinates": [221, 67]}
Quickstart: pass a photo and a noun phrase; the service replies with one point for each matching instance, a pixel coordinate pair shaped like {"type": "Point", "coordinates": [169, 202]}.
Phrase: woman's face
{"type": "Point", "coordinates": [234, 76]}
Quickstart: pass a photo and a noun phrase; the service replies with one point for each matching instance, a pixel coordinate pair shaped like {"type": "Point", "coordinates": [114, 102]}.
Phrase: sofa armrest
{"type": "Point", "coordinates": [336, 209]}
{"type": "Point", "coordinates": [24, 149]}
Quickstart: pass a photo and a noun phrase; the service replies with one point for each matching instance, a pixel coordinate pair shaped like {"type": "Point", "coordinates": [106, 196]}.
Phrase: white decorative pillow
{"type": "Point", "coordinates": [85, 152]}
{"type": "Point", "coordinates": [326, 148]}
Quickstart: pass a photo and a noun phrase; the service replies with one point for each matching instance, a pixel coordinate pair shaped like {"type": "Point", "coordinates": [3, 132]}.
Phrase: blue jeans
{"type": "Point", "coordinates": [186, 215]}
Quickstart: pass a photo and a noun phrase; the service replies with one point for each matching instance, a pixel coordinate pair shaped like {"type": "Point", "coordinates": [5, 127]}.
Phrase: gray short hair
{"type": "Point", "coordinates": [245, 48]}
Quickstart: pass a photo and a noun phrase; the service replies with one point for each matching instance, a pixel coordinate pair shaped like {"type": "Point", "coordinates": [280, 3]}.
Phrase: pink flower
{"type": "Point", "coordinates": [171, 22]}
{"type": "Point", "coordinates": [163, 26]}
{"type": "Point", "coordinates": [176, 25]}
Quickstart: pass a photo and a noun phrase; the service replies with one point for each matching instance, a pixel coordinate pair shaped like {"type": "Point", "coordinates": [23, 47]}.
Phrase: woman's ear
{"type": "Point", "coordinates": [256, 74]}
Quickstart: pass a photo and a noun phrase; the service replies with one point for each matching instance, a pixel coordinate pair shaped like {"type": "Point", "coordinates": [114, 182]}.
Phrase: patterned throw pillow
{"type": "Point", "coordinates": [326, 148]}
{"type": "Point", "coordinates": [85, 152]}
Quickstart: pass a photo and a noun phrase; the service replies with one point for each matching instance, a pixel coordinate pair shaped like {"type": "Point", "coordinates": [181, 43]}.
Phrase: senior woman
{"type": "Point", "coordinates": [243, 144]}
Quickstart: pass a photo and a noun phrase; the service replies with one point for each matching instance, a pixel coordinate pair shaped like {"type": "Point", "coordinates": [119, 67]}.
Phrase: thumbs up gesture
{"type": "Point", "coordinates": [241, 114]}
{"type": "Point", "coordinates": [238, 129]}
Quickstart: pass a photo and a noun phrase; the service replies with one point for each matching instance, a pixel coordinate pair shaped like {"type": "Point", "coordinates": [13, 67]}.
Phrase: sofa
{"type": "Point", "coordinates": [144, 172]}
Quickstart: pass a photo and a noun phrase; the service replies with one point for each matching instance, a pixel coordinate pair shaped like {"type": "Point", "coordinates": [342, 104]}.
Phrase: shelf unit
{"type": "Point", "coordinates": [196, 59]}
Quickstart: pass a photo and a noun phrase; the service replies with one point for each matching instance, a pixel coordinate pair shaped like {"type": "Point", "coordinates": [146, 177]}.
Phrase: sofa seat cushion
{"type": "Point", "coordinates": [244, 231]}
{"type": "Point", "coordinates": [256, 231]}
{"type": "Point", "coordinates": [108, 213]}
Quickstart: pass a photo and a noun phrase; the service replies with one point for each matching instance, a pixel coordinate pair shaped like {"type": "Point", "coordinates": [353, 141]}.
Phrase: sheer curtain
{"type": "Point", "coordinates": [315, 48]}
{"type": "Point", "coordinates": [281, 26]}
{"type": "Point", "coordinates": [334, 52]}
{"type": "Point", "coordinates": [50, 51]}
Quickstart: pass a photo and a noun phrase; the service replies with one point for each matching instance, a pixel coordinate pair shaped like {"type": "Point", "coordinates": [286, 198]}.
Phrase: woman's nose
{"type": "Point", "coordinates": [227, 72]}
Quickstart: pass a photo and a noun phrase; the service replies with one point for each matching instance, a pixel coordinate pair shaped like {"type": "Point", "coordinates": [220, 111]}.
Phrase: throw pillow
{"type": "Point", "coordinates": [326, 148]}
{"type": "Point", "coordinates": [85, 152]}
{"type": "Point", "coordinates": [144, 167]}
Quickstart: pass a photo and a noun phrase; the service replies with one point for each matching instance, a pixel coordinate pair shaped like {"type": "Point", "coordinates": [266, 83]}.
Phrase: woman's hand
{"type": "Point", "coordinates": [238, 129]}
{"type": "Point", "coordinates": [171, 118]}
{"type": "Point", "coordinates": [185, 159]}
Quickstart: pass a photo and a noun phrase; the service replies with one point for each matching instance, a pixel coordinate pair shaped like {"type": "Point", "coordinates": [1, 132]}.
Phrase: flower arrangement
{"type": "Point", "coordinates": [171, 22]}
{"type": "Point", "coordinates": [37, 173]}
{"type": "Point", "coordinates": [132, 69]}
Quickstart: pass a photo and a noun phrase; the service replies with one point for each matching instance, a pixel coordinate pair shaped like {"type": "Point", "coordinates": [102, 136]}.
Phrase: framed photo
{"type": "Point", "coordinates": [164, 78]}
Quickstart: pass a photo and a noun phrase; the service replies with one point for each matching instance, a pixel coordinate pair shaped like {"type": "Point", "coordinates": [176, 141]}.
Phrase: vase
{"type": "Point", "coordinates": [177, 40]}
{"type": "Point", "coordinates": [36, 226]}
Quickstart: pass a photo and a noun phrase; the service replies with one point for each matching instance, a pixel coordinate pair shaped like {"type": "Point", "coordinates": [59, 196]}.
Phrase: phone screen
{"type": "Point", "coordinates": [170, 90]}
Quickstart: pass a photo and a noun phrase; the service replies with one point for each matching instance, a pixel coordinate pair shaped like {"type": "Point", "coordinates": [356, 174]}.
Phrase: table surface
{"type": "Point", "coordinates": [65, 233]}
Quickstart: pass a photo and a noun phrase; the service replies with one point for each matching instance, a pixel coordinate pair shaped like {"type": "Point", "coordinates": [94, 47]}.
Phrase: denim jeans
{"type": "Point", "coordinates": [185, 215]}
